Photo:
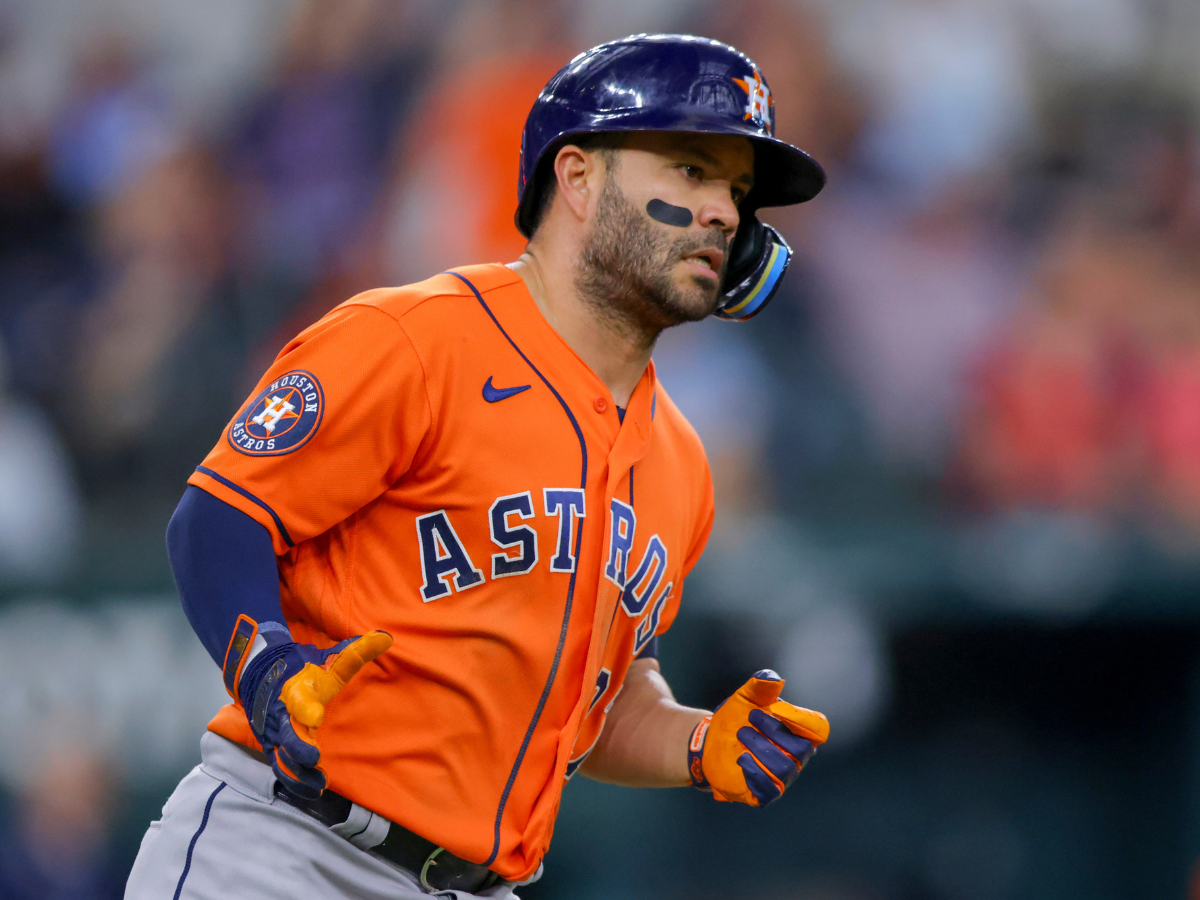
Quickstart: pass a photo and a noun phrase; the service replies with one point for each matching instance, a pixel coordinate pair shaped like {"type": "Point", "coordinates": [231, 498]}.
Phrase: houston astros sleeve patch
{"type": "Point", "coordinates": [280, 418]}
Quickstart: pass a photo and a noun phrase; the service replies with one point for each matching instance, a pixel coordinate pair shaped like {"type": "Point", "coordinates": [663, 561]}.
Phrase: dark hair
{"type": "Point", "coordinates": [540, 194]}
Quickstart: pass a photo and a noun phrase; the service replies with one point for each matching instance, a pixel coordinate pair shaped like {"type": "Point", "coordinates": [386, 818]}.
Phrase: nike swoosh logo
{"type": "Point", "coordinates": [495, 394]}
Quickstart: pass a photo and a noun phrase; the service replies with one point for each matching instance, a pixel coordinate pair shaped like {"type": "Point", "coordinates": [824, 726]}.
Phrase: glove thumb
{"type": "Point", "coordinates": [345, 665]}
{"type": "Point", "coordinates": [307, 693]}
{"type": "Point", "coordinates": [763, 688]}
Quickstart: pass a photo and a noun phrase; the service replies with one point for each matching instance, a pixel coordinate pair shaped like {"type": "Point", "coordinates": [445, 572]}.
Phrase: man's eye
{"type": "Point", "coordinates": [738, 196]}
{"type": "Point", "coordinates": [692, 171]}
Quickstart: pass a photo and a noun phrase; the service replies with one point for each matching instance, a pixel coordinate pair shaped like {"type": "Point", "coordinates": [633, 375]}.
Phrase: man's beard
{"type": "Point", "coordinates": [625, 269]}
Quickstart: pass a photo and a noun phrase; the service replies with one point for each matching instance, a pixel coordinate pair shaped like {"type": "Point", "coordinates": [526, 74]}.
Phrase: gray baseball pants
{"type": "Point", "coordinates": [224, 834]}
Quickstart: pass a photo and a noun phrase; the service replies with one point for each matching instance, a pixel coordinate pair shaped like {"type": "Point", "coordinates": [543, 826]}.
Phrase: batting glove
{"type": "Point", "coordinates": [754, 745]}
{"type": "Point", "coordinates": [284, 690]}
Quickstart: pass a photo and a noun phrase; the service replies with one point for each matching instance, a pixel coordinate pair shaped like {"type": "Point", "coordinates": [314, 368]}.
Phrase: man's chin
{"type": "Point", "coordinates": [698, 297]}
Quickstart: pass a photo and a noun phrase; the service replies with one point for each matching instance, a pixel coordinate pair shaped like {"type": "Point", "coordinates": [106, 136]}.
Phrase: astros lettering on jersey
{"type": "Point", "coordinates": [435, 461]}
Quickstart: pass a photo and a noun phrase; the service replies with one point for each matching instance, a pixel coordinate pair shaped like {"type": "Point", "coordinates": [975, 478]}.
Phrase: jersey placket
{"type": "Point", "coordinates": [633, 440]}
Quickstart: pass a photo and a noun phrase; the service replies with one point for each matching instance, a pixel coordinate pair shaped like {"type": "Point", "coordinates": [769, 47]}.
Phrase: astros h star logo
{"type": "Point", "coordinates": [276, 410]}
{"type": "Point", "coordinates": [759, 100]}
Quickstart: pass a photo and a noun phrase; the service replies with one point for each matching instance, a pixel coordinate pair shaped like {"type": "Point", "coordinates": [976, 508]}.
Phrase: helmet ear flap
{"type": "Point", "coordinates": [758, 259]}
{"type": "Point", "coordinates": [533, 198]}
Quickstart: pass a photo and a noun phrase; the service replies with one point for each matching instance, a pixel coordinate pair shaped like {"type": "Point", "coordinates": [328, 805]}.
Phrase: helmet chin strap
{"type": "Point", "coordinates": [758, 259]}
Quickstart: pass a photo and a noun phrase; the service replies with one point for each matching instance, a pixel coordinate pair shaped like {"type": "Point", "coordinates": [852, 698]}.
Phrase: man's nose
{"type": "Point", "coordinates": [719, 210]}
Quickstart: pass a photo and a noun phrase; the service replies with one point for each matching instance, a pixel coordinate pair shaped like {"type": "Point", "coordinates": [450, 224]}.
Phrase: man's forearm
{"type": "Point", "coordinates": [644, 742]}
{"type": "Point", "coordinates": [224, 567]}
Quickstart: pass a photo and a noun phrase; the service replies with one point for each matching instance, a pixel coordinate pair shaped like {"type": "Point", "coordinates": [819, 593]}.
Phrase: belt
{"type": "Point", "coordinates": [437, 868]}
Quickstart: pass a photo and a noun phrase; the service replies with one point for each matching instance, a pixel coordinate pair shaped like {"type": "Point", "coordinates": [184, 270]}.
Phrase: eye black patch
{"type": "Point", "coordinates": [664, 212]}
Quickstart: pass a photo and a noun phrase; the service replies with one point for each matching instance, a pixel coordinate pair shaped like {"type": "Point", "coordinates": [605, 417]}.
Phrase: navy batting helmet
{"type": "Point", "coordinates": [676, 82]}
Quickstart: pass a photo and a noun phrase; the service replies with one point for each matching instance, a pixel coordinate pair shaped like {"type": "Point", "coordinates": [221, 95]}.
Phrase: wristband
{"type": "Point", "coordinates": [245, 630]}
{"type": "Point", "coordinates": [244, 660]}
{"type": "Point", "coordinates": [696, 754]}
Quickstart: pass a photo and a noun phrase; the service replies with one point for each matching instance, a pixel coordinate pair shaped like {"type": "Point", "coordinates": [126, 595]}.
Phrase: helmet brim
{"type": "Point", "coordinates": [783, 174]}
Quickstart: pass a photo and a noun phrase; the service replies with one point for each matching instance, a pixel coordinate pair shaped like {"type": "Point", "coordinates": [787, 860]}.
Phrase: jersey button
{"type": "Point", "coordinates": [601, 404]}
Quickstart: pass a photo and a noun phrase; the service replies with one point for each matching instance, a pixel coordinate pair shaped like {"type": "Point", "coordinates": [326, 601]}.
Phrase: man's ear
{"type": "Point", "coordinates": [579, 175]}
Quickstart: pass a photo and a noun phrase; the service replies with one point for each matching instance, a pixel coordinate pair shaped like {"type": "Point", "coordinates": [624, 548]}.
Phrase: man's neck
{"type": "Point", "coordinates": [616, 352]}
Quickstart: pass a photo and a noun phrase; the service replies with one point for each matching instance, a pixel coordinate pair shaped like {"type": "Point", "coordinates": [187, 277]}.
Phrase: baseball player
{"type": "Point", "coordinates": [433, 553]}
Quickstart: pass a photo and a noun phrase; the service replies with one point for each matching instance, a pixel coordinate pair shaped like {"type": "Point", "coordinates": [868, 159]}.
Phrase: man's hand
{"type": "Point", "coordinates": [754, 746]}
{"type": "Point", "coordinates": [284, 691]}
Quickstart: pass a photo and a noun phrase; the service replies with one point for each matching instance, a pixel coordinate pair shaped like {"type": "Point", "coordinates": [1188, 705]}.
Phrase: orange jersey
{"type": "Point", "coordinates": [435, 461]}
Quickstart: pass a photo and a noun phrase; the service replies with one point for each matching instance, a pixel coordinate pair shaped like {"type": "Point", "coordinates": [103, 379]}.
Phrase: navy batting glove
{"type": "Point", "coordinates": [767, 742]}
{"type": "Point", "coordinates": [294, 759]}
{"type": "Point", "coordinates": [284, 690]}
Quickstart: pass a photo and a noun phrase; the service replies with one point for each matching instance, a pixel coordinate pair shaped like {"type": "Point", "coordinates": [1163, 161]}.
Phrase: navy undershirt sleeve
{"type": "Point", "coordinates": [650, 651]}
{"type": "Point", "coordinates": [224, 565]}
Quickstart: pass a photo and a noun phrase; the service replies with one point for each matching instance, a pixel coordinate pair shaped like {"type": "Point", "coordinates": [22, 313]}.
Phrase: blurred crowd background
{"type": "Point", "coordinates": [957, 460]}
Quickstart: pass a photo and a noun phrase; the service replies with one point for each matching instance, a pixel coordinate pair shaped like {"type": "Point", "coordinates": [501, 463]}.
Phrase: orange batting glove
{"type": "Point", "coordinates": [754, 745]}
